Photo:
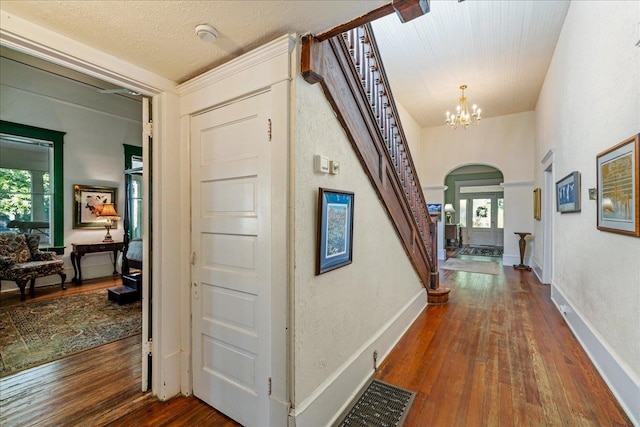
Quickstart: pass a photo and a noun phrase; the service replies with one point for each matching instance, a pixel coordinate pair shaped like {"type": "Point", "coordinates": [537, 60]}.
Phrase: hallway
{"type": "Point", "coordinates": [498, 354]}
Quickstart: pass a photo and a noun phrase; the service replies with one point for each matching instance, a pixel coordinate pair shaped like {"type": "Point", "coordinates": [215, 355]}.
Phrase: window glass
{"type": "Point", "coordinates": [481, 213]}
{"type": "Point", "coordinates": [501, 213]}
{"type": "Point", "coordinates": [26, 172]}
{"type": "Point", "coordinates": [133, 166]}
{"type": "Point", "coordinates": [463, 212]}
{"type": "Point", "coordinates": [135, 203]}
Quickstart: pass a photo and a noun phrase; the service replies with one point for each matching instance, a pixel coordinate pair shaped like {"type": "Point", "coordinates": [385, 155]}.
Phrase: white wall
{"type": "Point", "coordinates": [412, 131]}
{"type": "Point", "coordinates": [340, 316]}
{"type": "Point", "coordinates": [589, 102]}
{"type": "Point", "coordinates": [506, 143]}
{"type": "Point", "coordinates": [96, 126]}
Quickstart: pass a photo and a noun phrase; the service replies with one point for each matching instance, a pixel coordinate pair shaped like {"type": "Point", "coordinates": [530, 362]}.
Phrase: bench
{"type": "Point", "coordinates": [22, 261]}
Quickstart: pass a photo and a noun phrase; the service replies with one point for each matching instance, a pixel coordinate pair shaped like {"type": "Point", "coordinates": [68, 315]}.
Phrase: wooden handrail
{"type": "Point", "coordinates": [352, 76]}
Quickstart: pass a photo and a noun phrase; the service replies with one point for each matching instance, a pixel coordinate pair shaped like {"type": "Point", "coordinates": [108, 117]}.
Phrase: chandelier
{"type": "Point", "coordinates": [461, 116]}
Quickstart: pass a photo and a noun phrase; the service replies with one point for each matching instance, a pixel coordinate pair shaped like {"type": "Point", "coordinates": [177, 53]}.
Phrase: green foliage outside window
{"type": "Point", "coordinates": [15, 194]}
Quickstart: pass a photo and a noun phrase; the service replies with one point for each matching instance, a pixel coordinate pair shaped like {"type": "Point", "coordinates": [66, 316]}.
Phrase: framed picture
{"type": "Point", "coordinates": [618, 188]}
{"type": "Point", "coordinates": [435, 210]}
{"type": "Point", "coordinates": [335, 230]}
{"type": "Point", "coordinates": [568, 193]}
{"type": "Point", "coordinates": [537, 204]}
{"type": "Point", "coordinates": [87, 205]}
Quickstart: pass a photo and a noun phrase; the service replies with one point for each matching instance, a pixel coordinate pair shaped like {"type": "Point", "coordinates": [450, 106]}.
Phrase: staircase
{"type": "Point", "coordinates": [350, 71]}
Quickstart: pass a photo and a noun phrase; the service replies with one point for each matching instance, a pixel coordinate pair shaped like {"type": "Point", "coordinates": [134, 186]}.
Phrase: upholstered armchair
{"type": "Point", "coordinates": [21, 261]}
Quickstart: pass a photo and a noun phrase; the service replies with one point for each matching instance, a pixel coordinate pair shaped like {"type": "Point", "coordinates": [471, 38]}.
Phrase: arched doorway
{"type": "Point", "coordinates": [477, 196]}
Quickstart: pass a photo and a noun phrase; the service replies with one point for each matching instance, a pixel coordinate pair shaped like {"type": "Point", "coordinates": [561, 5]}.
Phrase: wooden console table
{"type": "Point", "coordinates": [80, 249]}
{"type": "Point", "coordinates": [452, 234]}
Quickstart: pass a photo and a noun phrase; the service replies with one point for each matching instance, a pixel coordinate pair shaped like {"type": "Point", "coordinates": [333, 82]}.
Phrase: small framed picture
{"type": "Point", "coordinates": [87, 205]}
{"type": "Point", "coordinates": [435, 210]}
{"type": "Point", "coordinates": [568, 193]}
{"type": "Point", "coordinates": [335, 229]}
{"type": "Point", "coordinates": [619, 188]}
{"type": "Point", "coordinates": [537, 204]}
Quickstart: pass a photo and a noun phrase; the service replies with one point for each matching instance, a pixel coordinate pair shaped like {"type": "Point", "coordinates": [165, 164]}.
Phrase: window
{"type": "Point", "coordinates": [133, 166]}
{"type": "Point", "coordinates": [500, 212]}
{"type": "Point", "coordinates": [481, 213]}
{"type": "Point", "coordinates": [31, 183]}
{"type": "Point", "coordinates": [463, 212]}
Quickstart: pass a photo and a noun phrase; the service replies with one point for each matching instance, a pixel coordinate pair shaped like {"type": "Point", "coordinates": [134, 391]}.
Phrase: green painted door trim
{"type": "Point", "coordinates": [130, 150]}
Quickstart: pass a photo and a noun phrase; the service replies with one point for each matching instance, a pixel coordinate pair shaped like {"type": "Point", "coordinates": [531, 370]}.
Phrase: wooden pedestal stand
{"type": "Point", "coordinates": [523, 245]}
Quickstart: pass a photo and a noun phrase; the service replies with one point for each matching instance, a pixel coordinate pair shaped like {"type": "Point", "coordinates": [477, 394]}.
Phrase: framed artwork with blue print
{"type": "Point", "coordinates": [568, 193]}
{"type": "Point", "coordinates": [335, 230]}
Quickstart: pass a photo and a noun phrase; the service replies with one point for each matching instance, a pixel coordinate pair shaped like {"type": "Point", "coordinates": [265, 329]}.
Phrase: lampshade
{"type": "Point", "coordinates": [108, 210]}
{"type": "Point", "coordinates": [449, 208]}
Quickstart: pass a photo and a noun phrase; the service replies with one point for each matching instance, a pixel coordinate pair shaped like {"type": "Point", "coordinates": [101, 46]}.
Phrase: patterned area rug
{"type": "Point", "coordinates": [471, 266]}
{"type": "Point", "coordinates": [481, 251]}
{"type": "Point", "coordinates": [33, 333]}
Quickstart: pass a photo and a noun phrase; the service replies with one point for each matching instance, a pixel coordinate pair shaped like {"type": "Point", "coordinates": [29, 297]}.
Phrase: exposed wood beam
{"type": "Point", "coordinates": [406, 10]}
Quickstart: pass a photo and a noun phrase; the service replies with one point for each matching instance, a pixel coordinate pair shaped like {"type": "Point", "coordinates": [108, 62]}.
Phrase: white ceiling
{"type": "Point", "coordinates": [500, 49]}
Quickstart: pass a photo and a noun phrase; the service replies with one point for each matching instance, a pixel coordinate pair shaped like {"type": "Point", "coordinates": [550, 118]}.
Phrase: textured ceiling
{"type": "Point", "coordinates": [500, 49]}
{"type": "Point", "coordinates": [160, 35]}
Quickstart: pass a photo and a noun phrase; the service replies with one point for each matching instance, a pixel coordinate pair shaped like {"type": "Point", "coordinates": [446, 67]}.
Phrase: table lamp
{"type": "Point", "coordinates": [448, 209]}
{"type": "Point", "coordinates": [109, 212]}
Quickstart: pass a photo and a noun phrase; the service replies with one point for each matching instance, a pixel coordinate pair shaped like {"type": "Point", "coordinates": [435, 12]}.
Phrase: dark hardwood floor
{"type": "Point", "coordinates": [97, 387]}
{"type": "Point", "coordinates": [498, 354]}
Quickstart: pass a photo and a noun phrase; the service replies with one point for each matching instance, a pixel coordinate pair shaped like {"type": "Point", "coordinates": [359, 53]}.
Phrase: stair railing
{"type": "Point", "coordinates": [350, 69]}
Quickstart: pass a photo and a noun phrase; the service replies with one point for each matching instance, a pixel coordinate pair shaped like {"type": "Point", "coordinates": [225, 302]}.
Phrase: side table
{"type": "Point", "coordinates": [523, 245]}
{"type": "Point", "coordinates": [80, 249]}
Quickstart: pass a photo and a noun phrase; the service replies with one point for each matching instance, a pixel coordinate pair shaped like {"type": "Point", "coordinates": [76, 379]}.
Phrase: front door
{"type": "Point", "coordinates": [231, 193]}
{"type": "Point", "coordinates": [486, 220]}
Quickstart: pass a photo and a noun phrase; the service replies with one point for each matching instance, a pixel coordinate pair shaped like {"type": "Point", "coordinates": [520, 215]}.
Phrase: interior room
{"type": "Point", "coordinates": [436, 199]}
{"type": "Point", "coordinates": [75, 192]}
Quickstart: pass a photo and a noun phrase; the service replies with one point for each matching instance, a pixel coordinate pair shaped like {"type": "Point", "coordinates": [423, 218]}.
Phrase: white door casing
{"type": "Point", "coordinates": [231, 272]}
{"type": "Point", "coordinates": [146, 233]}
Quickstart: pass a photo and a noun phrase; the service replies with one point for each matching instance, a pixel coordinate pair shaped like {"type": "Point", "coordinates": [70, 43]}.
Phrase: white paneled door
{"type": "Point", "coordinates": [231, 193]}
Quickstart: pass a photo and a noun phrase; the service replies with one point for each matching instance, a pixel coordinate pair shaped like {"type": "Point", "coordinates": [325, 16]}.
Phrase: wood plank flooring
{"type": "Point", "coordinates": [499, 354]}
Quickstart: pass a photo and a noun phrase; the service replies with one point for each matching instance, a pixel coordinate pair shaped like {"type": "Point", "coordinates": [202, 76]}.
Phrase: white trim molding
{"type": "Point", "coordinates": [621, 380]}
{"type": "Point", "coordinates": [24, 36]}
{"type": "Point", "coordinates": [330, 399]}
{"type": "Point", "coordinates": [518, 184]}
{"type": "Point", "coordinates": [435, 188]}
{"type": "Point", "coordinates": [249, 73]}
{"type": "Point", "coordinates": [548, 158]}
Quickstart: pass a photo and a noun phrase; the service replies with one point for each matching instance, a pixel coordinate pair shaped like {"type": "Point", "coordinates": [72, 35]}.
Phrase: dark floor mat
{"type": "Point", "coordinates": [379, 404]}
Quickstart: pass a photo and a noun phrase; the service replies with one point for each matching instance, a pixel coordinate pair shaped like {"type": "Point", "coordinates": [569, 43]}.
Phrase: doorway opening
{"type": "Point", "coordinates": [97, 119]}
{"type": "Point", "coordinates": [477, 197]}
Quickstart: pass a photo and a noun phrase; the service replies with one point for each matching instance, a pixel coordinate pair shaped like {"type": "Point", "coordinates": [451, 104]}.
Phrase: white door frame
{"type": "Point", "coordinates": [498, 240]}
{"type": "Point", "coordinates": [469, 196]}
{"type": "Point", "coordinates": [548, 203]}
{"type": "Point", "coordinates": [24, 36]}
{"type": "Point", "coordinates": [266, 67]}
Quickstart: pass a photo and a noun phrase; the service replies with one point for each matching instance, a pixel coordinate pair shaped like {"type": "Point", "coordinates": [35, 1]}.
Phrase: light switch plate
{"type": "Point", "coordinates": [334, 167]}
{"type": "Point", "coordinates": [321, 164]}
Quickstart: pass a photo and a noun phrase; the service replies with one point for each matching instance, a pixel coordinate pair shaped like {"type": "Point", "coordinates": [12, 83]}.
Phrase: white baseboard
{"type": "Point", "coordinates": [328, 401]}
{"type": "Point", "coordinates": [622, 382]}
{"type": "Point", "coordinates": [537, 270]}
{"type": "Point", "coordinates": [514, 260]}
